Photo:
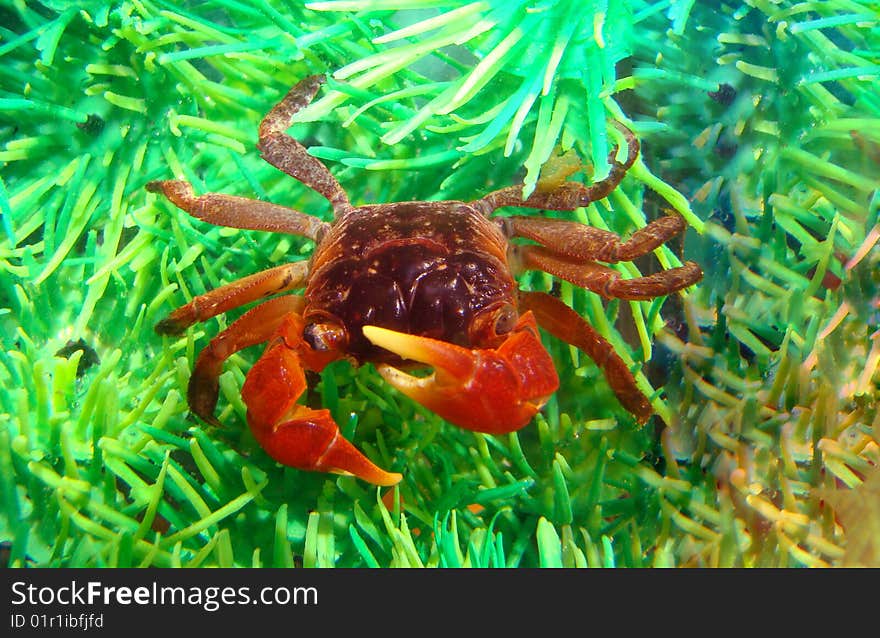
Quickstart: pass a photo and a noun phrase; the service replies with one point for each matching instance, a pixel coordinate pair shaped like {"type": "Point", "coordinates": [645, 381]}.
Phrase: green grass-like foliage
{"type": "Point", "coordinates": [765, 375]}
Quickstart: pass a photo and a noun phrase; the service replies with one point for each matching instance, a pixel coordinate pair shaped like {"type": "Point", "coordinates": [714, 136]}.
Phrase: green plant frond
{"type": "Point", "coordinates": [519, 53]}
{"type": "Point", "coordinates": [758, 123]}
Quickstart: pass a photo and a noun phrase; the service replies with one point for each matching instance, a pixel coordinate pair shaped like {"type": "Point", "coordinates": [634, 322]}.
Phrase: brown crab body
{"type": "Point", "coordinates": [414, 267]}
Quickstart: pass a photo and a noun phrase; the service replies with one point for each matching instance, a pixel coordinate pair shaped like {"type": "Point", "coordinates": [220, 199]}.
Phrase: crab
{"type": "Point", "coordinates": [405, 285]}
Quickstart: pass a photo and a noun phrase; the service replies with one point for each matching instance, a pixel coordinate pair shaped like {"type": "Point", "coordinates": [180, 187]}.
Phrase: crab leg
{"type": "Point", "coordinates": [569, 195]}
{"type": "Point", "coordinates": [285, 153]}
{"type": "Point", "coordinates": [565, 324]}
{"type": "Point", "coordinates": [588, 243]}
{"type": "Point", "coordinates": [238, 212]}
{"type": "Point", "coordinates": [294, 434]}
{"type": "Point", "coordinates": [604, 280]}
{"type": "Point", "coordinates": [486, 390]}
{"type": "Point", "coordinates": [262, 284]}
{"type": "Point", "coordinates": [255, 326]}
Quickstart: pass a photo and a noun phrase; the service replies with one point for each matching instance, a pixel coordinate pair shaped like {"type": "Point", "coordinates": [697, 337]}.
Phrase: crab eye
{"type": "Point", "coordinates": [324, 336]}
{"type": "Point", "coordinates": [505, 319]}
{"type": "Point", "coordinates": [490, 327]}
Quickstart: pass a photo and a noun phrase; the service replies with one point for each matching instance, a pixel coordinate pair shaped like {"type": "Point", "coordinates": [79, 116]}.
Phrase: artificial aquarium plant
{"type": "Point", "coordinates": [756, 121]}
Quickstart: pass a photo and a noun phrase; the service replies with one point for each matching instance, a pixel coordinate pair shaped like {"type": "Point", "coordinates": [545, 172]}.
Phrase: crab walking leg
{"type": "Point", "coordinates": [293, 434]}
{"type": "Point", "coordinates": [492, 390]}
{"type": "Point", "coordinates": [255, 326]}
{"type": "Point", "coordinates": [565, 324]}
{"type": "Point", "coordinates": [603, 280]}
{"type": "Point", "coordinates": [285, 153]}
{"type": "Point", "coordinates": [242, 291]}
{"type": "Point", "coordinates": [588, 243]}
{"type": "Point", "coordinates": [569, 195]}
{"type": "Point", "coordinates": [238, 212]}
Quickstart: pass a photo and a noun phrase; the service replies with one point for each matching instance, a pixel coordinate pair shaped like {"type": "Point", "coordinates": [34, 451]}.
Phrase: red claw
{"type": "Point", "coordinates": [294, 434]}
{"type": "Point", "coordinates": [486, 390]}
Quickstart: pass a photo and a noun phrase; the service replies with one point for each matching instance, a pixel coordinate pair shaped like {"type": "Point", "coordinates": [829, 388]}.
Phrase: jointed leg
{"type": "Point", "coordinates": [255, 326]}
{"type": "Point", "coordinates": [604, 280]}
{"type": "Point", "coordinates": [238, 212]}
{"type": "Point", "coordinates": [288, 155]}
{"type": "Point", "coordinates": [262, 284]}
{"type": "Point", "coordinates": [569, 195]}
{"type": "Point", "coordinates": [565, 324]}
{"type": "Point", "coordinates": [588, 243]}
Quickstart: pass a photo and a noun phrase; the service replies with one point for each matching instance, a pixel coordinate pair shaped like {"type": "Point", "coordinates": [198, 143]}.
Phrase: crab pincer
{"type": "Point", "coordinates": [291, 433]}
{"type": "Point", "coordinates": [491, 390]}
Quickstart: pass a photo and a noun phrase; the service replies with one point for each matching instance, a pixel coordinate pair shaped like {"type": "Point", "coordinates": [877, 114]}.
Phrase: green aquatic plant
{"type": "Point", "coordinates": [485, 72]}
{"type": "Point", "coordinates": [779, 372]}
{"type": "Point", "coordinates": [100, 463]}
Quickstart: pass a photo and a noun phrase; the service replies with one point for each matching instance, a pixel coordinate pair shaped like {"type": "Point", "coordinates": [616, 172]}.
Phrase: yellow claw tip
{"type": "Point", "coordinates": [391, 479]}
{"type": "Point", "coordinates": [447, 356]}
{"type": "Point", "coordinates": [375, 332]}
{"type": "Point", "coordinates": [374, 475]}
{"type": "Point", "coordinates": [400, 343]}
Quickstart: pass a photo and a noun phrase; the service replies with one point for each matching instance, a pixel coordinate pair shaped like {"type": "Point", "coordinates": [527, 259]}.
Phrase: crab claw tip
{"type": "Point", "coordinates": [449, 357]}
{"type": "Point", "coordinates": [404, 382]}
{"type": "Point", "coordinates": [400, 343]}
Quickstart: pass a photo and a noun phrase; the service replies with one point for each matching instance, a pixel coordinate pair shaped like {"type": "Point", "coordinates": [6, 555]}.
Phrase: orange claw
{"type": "Point", "coordinates": [294, 434]}
{"type": "Point", "coordinates": [485, 390]}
